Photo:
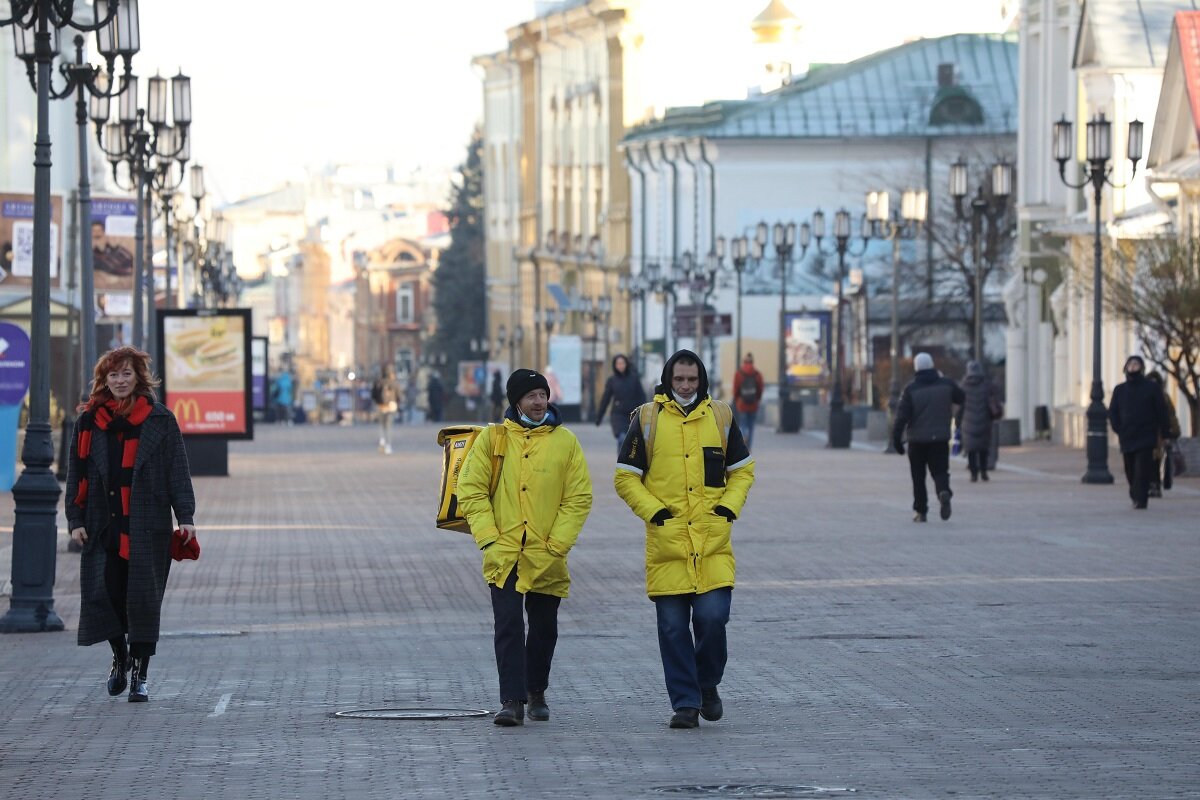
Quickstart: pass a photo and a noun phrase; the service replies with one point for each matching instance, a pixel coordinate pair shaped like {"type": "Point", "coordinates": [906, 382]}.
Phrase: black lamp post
{"type": "Point", "coordinates": [187, 229]}
{"type": "Point", "coordinates": [990, 206]}
{"type": "Point", "coordinates": [1097, 172]}
{"type": "Point", "coordinates": [635, 288]}
{"type": "Point", "coordinates": [37, 25]}
{"type": "Point", "coordinates": [896, 227]}
{"type": "Point", "coordinates": [840, 420]}
{"type": "Point", "coordinates": [784, 239]}
{"type": "Point", "coordinates": [739, 258]}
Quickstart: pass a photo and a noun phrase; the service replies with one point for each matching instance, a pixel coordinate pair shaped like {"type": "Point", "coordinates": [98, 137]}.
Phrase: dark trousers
{"type": "Point", "coordinates": [932, 456]}
{"type": "Point", "coordinates": [1139, 465]}
{"type": "Point", "coordinates": [523, 661]}
{"type": "Point", "coordinates": [116, 583]}
{"type": "Point", "coordinates": [977, 461]}
{"type": "Point", "coordinates": [688, 665]}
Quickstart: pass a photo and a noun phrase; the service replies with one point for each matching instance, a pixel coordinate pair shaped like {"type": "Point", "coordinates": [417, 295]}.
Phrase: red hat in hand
{"type": "Point", "coordinates": [184, 552]}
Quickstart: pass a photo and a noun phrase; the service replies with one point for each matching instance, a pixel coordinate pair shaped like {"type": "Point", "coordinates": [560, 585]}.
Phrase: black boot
{"type": "Point", "coordinates": [511, 714]}
{"type": "Point", "coordinates": [117, 678]}
{"type": "Point", "coordinates": [538, 710]}
{"type": "Point", "coordinates": [685, 718]}
{"type": "Point", "coordinates": [710, 704]}
{"type": "Point", "coordinates": [137, 680]}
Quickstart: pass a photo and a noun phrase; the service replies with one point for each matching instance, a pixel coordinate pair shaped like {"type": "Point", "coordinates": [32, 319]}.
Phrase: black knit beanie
{"type": "Point", "coordinates": [522, 382]}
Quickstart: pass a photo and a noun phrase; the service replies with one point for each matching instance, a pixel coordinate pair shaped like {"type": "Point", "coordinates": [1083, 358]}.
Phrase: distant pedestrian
{"type": "Point", "coordinates": [127, 473]}
{"type": "Point", "coordinates": [410, 399]}
{"type": "Point", "coordinates": [386, 393]}
{"type": "Point", "coordinates": [748, 388]}
{"type": "Point", "coordinates": [497, 397]}
{"type": "Point", "coordinates": [525, 530]}
{"type": "Point", "coordinates": [979, 410]}
{"type": "Point", "coordinates": [1138, 413]}
{"type": "Point", "coordinates": [624, 390]}
{"type": "Point", "coordinates": [433, 396]}
{"type": "Point", "coordinates": [1162, 474]}
{"type": "Point", "coordinates": [687, 476]}
{"type": "Point", "coordinates": [281, 395]}
{"type": "Point", "coordinates": [925, 412]}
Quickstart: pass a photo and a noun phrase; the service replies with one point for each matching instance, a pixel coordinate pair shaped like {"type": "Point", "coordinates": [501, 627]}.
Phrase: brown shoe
{"type": "Point", "coordinates": [511, 714]}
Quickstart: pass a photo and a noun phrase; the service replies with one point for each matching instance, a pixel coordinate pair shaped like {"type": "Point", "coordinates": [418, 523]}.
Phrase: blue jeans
{"type": "Point", "coordinates": [745, 421]}
{"type": "Point", "coordinates": [691, 666]}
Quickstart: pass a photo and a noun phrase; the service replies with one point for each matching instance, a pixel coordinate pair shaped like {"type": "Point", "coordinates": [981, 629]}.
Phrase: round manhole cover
{"type": "Point", "coordinates": [199, 634]}
{"type": "Point", "coordinates": [760, 790]}
{"type": "Point", "coordinates": [412, 713]}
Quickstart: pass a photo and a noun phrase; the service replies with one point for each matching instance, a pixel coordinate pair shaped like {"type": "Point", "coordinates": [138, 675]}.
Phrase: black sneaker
{"type": "Point", "coordinates": [710, 705]}
{"type": "Point", "coordinates": [944, 499]}
{"type": "Point", "coordinates": [511, 714]}
{"type": "Point", "coordinates": [538, 710]}
{"type": "Point", "coordinates": [686, 718]}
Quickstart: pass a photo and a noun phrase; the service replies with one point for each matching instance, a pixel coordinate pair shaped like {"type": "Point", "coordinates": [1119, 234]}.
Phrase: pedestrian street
{"type": "Point", "coordinates": [1042, 643]}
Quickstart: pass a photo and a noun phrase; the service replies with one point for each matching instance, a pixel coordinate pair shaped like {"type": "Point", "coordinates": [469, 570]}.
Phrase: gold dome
{"type": "Point", "coordinates": [775, 23]}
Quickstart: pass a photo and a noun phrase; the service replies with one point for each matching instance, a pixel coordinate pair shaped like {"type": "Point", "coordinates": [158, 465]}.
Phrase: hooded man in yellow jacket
{"type": "Point", "coordinates": [525, 531]}
{"type": "Point", "coordinates": [688, 485]}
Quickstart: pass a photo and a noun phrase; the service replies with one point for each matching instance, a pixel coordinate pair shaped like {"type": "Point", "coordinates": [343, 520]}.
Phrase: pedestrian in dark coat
{"type": "Point", "coordinates": [433, 394]}
{"type": "Point", "coordinates": [624, 389]}
{"type": "Point", "coordinates": [1161, 471]}
{"type": "Point", "coordinates": [1138, 413]}
{"type": "Point", "coordinates": [127, 473]}
{"type": "Point", "coordinates": [926, 411]}
{"type": "Point", "coordinates": [982, 405]}
{"type": "Point", "coordinates": [497, 397]}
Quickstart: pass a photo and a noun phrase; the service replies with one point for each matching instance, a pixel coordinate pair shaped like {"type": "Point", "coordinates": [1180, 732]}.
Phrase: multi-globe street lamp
{"type": "Point", "coordinates": [1098, 172]}
{"type": "Point", "coordinates": [990, 204]}
{"type": "Point", "coordinates": [663, 283]}
{"type": "Point", "coordinates": [187, 229]}
{"type": "Point", "coordinates": [741, 252]}
{"type": "Point", "coordinates": [635, 288]}
{"type": "Point", "coordinates": [840, 420]}
{"type": "Point", "coordinates": [783, 237]}
{"type": "Point", "coordinates": [896, 226]}
{"type": "Point", "coordinates": [36, 33]}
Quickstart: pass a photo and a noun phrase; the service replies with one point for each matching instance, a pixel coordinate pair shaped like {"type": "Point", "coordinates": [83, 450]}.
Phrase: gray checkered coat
{"type": "Point", "coordinates": [161, 482]}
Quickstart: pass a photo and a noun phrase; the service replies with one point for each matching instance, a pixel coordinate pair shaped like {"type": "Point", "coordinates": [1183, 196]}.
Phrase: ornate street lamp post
{"type": "Point", "coordinates": [36, 31]}
{"type": "Point", "coordinates": [840, 420]}
{"type": "Point", "coordinates": [1097, 172]}
{"type": "Point", "coordinates": [635, 288]}
{"type": "Point", "coordinates": [896, 227]}
{"type": "Point", "coordinates": [991, 206]}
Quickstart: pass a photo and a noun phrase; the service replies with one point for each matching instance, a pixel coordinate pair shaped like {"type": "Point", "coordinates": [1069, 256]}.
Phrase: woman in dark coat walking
{"type": "Point", "coordinates": [624, 389]}
{"type": "Point", "coordinates": [982, 406]}
{"type": "Point", "coordinates": [127, 472]}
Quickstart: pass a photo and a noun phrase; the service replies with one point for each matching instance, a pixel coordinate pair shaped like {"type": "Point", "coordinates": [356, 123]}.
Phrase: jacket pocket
{"type": "Point", "coordinates": [667, 542]}
{"type": "Point", "coordinates": [714, 467]}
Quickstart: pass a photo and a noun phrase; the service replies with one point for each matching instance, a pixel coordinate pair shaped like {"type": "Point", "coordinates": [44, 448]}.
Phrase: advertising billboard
{"type": "Point", "coordinates": [565, 372]}
{"type": "Point", "coordinates": [114, 220]}
{"type": "Point", "coordinates": [16, 239]}
{"type": "Point", "coordinates": [206, 370]}
{"type": "Point", "coordinates": [808, 347]}
{"type": "Point", "coordinates": [258, 373]}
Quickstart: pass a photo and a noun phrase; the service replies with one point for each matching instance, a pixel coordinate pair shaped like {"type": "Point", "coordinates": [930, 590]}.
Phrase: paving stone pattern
{"type": "Point", "coordinates": [1043, 643]}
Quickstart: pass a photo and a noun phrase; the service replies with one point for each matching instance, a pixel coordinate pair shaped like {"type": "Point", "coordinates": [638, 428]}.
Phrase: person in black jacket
{"type": "Point", "coordinates": [624, 389]}
{"type": "Point", "coordinates": [1138, 412]}
{"type": "Point", "coordinates": [926, 409]}
{"type": "Point", "coordinates": [981, 408]}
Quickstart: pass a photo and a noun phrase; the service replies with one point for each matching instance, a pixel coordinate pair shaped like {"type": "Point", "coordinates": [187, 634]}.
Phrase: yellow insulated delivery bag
{"type": "Point", "coordinates": [456, 441]}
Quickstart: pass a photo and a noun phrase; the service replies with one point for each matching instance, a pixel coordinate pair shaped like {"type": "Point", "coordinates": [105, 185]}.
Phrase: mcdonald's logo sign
{"type": "Point", "coordinates": [187, 410]}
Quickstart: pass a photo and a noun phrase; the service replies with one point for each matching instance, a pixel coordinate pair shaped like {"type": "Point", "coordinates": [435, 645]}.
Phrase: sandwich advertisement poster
{"type": "Point", "coordinates": [206, 370]}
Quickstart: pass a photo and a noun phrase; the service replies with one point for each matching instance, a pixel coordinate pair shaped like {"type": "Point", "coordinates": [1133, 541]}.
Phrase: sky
{"type": "Point", "coordinates": [280, 86]}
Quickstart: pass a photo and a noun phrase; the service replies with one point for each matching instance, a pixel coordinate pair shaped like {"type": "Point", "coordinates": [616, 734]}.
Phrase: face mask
{"type": "Point", "coordinates": [528, 421]}
{"type": "Point", "coordinates": [681, 401]}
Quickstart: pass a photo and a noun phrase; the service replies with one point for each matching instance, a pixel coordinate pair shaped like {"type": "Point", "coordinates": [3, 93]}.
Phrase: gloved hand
{"type": "Point", "coordinates": [661, 516]}
{"type": "Point", "coordinates": [725, 512]}
{"type": "Point", "coordinates": [899, 446]}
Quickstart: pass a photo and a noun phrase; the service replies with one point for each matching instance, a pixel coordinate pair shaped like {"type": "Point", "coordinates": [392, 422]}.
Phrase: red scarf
{"type": "Point", "coordinates": [127, 429]}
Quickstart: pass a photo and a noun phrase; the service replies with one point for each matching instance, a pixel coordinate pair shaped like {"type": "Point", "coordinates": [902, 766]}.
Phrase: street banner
{"type": "Point", "coordinates": [565, 372]}
{"type": "Point", "coordinates": [206, 370]}
{"type": "Point", "coordinates": [808, 348]}
{"type": "Point", "coordinates": [16, 240]}
{"type": "Point", "coordinates": [113, 226]}
{"type": "Point", "coordinates": [258, 373]}
{"type": "Point", "coordinates": [470, 379]}
{"type": "Point", "coordinates": [14, 383]}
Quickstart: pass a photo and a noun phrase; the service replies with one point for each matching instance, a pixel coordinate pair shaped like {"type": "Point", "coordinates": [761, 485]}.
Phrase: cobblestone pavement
{"type": "Point", "coordinates": [1043, 643]}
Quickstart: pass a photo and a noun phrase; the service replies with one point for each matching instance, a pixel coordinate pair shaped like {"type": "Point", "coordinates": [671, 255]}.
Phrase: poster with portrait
{"type": "Point", "coordinates": [206, 370]}
{"type": "Point", "coordinates": [16, 240]}
{"type": "Point", "coordinates": [808, 348]}
{"type": "Point", "coordinates": [114, 221]}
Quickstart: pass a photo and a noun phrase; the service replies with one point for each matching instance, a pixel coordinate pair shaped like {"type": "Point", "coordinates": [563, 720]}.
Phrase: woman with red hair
{"type": "Point", "coordinates": [127, 472]}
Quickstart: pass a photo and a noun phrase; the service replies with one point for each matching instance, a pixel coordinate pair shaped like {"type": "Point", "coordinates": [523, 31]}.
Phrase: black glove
{"type": "Point", "coordinates": [899, 448]}
{"type": "Point", "coordinates": [661, 516]}
{"type": "Point", "coordinates": [722, 511]}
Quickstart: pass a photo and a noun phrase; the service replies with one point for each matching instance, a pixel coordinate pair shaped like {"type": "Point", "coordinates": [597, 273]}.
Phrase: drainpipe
{"type": "Point", "coordinates": [929, 204]}
{"type": "Point", "coordinates": [641, 359]}
{"type": "Point", "coordinates": [712, 228]}
{"type": "Point", "coordinates": [662, 148]}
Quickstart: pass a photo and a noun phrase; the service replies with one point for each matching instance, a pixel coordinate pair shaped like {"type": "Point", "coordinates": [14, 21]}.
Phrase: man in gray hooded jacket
{"type": "Point", "coordinates": [925, 411]}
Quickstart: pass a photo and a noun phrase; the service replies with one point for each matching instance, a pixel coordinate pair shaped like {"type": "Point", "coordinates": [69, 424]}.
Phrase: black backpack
{"type": "Point", "coordinates": [748, 393]}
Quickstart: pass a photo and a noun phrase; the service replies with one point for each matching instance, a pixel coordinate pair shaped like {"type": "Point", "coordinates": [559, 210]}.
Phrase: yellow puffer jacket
{"type": "Point", "coordinates": [689, 475]}
{"type": "Point", "coordinates": [541, 503]}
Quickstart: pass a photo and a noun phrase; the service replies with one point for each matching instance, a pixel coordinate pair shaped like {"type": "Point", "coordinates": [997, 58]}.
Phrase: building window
{"type": "Point", "coordinates": [405, 310]}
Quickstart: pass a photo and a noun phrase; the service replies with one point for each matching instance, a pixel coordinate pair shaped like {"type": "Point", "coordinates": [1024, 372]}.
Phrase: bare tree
{"type": "Point", "coordinates": [1155, 284]}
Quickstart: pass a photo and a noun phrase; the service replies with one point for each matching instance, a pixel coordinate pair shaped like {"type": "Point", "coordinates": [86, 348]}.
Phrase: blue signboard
{"type": "Point", "coordinates": [14, 383]}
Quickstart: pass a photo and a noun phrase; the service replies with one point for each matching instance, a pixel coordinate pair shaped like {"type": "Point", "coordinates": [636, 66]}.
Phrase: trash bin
{"type": "Point", "coordinates": [791, 414]}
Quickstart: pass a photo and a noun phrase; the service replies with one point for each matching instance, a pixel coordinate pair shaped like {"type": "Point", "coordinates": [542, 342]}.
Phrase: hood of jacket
{"type": "Point", "coordinates": [927, 375]}
{"type": "Point", "coordinates": [664, 381]}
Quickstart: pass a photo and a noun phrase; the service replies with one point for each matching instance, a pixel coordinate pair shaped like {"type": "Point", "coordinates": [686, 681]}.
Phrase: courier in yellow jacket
{"type": "Point", "coordinates": [525, 532]}
{"type": "Point", "coordinates": [688, 489]}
